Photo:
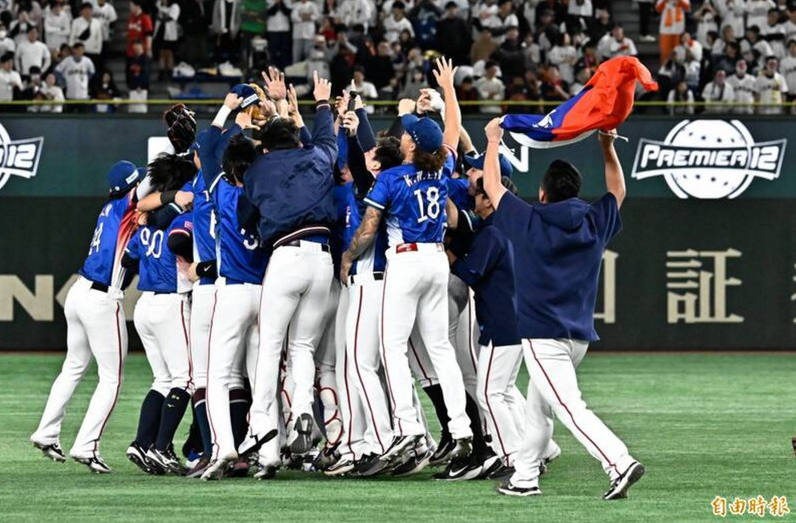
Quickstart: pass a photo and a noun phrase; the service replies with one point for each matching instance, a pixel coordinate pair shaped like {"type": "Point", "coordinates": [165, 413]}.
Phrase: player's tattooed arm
{"type": "Point", "coordinates": [363, 239]}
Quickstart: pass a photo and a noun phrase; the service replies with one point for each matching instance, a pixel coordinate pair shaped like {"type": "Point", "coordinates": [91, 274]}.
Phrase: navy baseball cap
{"type": "Point", "coordinates": [478, 162]}
{"type": "Point", "coordinates": [123, 175]}
{"type": "Point", "coordinates": [425, 132]}
{"type": "Point", "coordinates": [248, 94]}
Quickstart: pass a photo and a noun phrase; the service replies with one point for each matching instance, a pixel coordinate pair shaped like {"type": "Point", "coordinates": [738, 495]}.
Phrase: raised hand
{"type": "Point", "coordinates": [444, 72]}
{"type": "Point", "coordinates": [351, 122]}
{"type": "Point", "coordinates": [275, 83]}
{"type": "Point", "coordinates": [244, 121]}
{"type": "Point", "coordinates": [293, 107]}
{"type": "Point", "coordinates": [232, 101]}
{"type": "Point", "coordinates": [494, 133]}
{"type": "Point", "coordinates": [406, 106]}
{"type": "Point", "coordinates": [323, 88]}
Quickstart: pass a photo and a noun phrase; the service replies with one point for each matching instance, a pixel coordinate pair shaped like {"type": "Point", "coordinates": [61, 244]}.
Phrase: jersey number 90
{"type": "Point", "coordinates": [428, 204]}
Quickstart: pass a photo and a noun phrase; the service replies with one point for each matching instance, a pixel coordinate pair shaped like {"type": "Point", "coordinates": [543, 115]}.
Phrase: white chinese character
{"type": "Point", "coordinates": [609, 288]}
{"type": "Point", "coordinates": [697, 294]}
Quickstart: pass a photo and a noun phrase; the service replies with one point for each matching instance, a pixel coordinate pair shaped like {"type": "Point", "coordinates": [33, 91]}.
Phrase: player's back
{"type": "Point", "coordinates": [116, 224]}
{"type": "Point", "coordinates": [158, 270]}
{"type": "Point", "coordinates": [239, 256]}
{"type": "Point", "coordinates": [203, 221]}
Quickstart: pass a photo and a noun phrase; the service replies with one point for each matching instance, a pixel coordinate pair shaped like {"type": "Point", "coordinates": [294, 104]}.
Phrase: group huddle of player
{"type": "Point", "coordinates": [297, 285]}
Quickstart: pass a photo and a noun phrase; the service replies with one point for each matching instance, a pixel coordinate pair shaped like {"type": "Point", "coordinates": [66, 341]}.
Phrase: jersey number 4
{"type": "Point", "coordinates": [428, 205]}
{"type": "Point", "coordinates": [95, 242]}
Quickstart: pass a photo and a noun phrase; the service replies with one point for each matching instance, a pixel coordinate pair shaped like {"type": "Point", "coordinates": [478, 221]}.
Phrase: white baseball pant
{"type": "Point", "coordinates": [201, 313]}
{"type": "Point", "coordinates": [325, 367]}
{"type": "Point", "coordinates": [295, 293]}
{"type": "Point", "coordinates": [415, 289]}
{"type": "Point", "coordinates": [95, 328]}
{"type": "Point", "coordinates": [364, 361]}
{"type": "Point", "coordinates": [553, 389]}
{"type": "Point", "coordinates": [162, 322]}
{"type": "Point", "coordinates": [233, 334]}
{"type": "Point", "coordinates": [420, 362]}
{"type": "Point", "coordinates": [497, 397]}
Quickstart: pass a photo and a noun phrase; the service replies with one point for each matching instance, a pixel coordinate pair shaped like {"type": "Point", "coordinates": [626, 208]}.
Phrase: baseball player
{"type": "Point", "coordinates": [162, 319]}
{"type": "Point", "coordinates": [241, 264]}
{"type": "Point", "coordinates": [291, 188]}
{"type": "Point", "coordinates": [415, 286]}
{"type": "Point", "coordinates": [95, 326]}
{"type": "Point", "coordinates": [559, 243]}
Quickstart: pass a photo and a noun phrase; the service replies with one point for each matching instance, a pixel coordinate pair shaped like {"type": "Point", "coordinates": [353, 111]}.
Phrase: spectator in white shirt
{"type": "Point", "coordinates": [106, 14]}
{"type": "Point", "coordinates": [397, 22]}
{"type": "Point", "coordinates": [304, 15]}
{"type": "Point", "coordinates": [77, 70]}
{"type": "Point", "coordinates": [277, 31]}
{"type": "Point", "coordinates": [580, 8]}
{"type": "Point", "coordinates": [787, 68]}
{"type": "Point", "coordinates": [504, 20]}
{"type": "Point", "coordinates": [57, 27]}
{"type": "Point", "coordinates": [732, 14]}
{"type": "Point", "coordinates": [757, 12]}
{"type": "Point", "coordinates": [744, 87]}
{"type": "Point", "coordinates": [564, 56]}
{"type": "Point", "coordinates": [617, 44]}
{"type": "Point", "coordinates": [684, 96]}
{"type": "Point", "coordinates": [32, 52]}
{"type": "Point", "coordinates": [690, 46]}
{"type": "Point", "coordinates": [51, 91]}
{"type": "Point", "coordinates": [365, 89]}
{"type": "Point", "coordinates": [790, 25]}
{"type": "Point", "coordinates": [485, 12]}
{"type": "Point", "coordinates": [87, 30]}
{"type": "Point", "coordinates": [167, 32]}
{"type": "Point", "coordinates": [771, 88]}
{"type": "Point", "coordinates": [356, 12]}
{"type": "Point", "coordinates": [755, 48]}
{"type": "Point", "coordinates": [773, 31]}
{"type": "Point", "coordinates": [490, 88]}
{"type": "Point", "coordinates": [7, 45]}
{"type": "Point", "coordinates": [9, 79]}
{"type": "Point", "coordinates": [718, 91]}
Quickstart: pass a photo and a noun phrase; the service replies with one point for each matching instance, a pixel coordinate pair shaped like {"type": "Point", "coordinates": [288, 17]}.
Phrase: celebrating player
{"type": "Point", "coordinates": [95, 326]}
{"type": "Point", "coordinates": [559, 244]}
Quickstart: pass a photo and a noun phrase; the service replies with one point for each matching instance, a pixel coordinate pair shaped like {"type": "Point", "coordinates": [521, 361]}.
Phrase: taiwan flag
{"type": "Point", "coordinates": [604, 102]}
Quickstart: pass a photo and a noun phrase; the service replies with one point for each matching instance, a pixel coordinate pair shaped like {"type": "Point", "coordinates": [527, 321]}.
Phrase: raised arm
{"type": "Point", "coordinates": [363, 239]}
{"type": "Point", "coordinates": [492, 184]}
{"type": "Point", "coordinates": [323, 131]}
{"type": "Point", "coordinates": [363, 179]}
{"type": "Point", "coordinates": [444, 74]}
{"type": "Point", "coordinates": [614, 176]}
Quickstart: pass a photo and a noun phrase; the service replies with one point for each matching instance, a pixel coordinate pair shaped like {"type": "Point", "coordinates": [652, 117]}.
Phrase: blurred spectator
{"type": "Point", "coordinates": [645, 8]}
{"type": "Point", "coordinates": [425, 16]}
{"type": "Point", "coordinates": [690, 47]}
{"type": "Point", "coordinates": [564, 56]}
{"type": "Point", "coordinates": [88, 31]}
{"type": "Point", "coordinates": [106, 14]}
{"type": "Point", "coordinates": [790, 24]}
{"type": "Point", "coordinates": [505, 20]}
{"type": "Point", "coordinates": [773, 31]}
{"type": "Point", "coordinates": [57, 27]}
{"type": "Point", "coordinates": [278, 33]}
{"type": "Point", "coordinates": [757, 12]}
{"type": "Point", "coordinates": [318, 59]}
{"type": "Point", "coordinates": [727, 61]}
{"type": "Point", "coordinates": [617, 44]}
{"type": "Point", "coordinates": [683, 97]}
{"type": "Point", "coordinates": [18, 29]}
{"type": "Point", "coordinates": [732, 14]}
{"type": "Point", "coordinates": [77, 71]}
{"type": "Point", "coordinates": [744, 87]}
{"type": "Point", "coordinates": [533, 54]}
{"type": "Point", "coordinates": [510, 56]}
{"type": "Point", "coordinates": [483, 47]}
{"type": "Point", "coordinates": [787, 68]}
{"type": "Point", "coordinates": [105, 89]}
{"type": "Point", "coordinates": [51, 91]}
{"type": "Point", "coordinates": [706, 17]}
{"type": "Point", "coordinates": [380, 67]}
{"type": "Point", "coordinates": [554, 88]}
{"type": "Point", "coordinates": [718, 91]}
{"type": "Point", "coordinates": [485, 15]}
{"type": "Point", "coordinates": [167, 32]}
{"type": "Point", "coordinates": [32, 53]}
{"type": "Point", "coordinates": [727, 37]}
{"type": "Point", "coordinates": [397, 22]}
{"type": "Point", "coordinates": [10, 81]}
{"type": "Point", "coordinates": [365, 89]}
{"type": "Point", "coordinates": [491, 88]}
{"type": "Point", "coordinates": [457, 36]}
{"type": "Point", "coordinates": [7, 44]}
{"type": "Point", "coordinates": [771, 88]}
{"type": "Point", "coordinates": [672, 24]}
{"type": "Point", "coordinates": [304, 15]}
{"type": "Point", "coordinates": [466, 92]}
{"type": "Point", "coordinates": [356, 12]}
{"type": "Point", "coordinates": [754, 48]}
{"type": "Point", "coordinates": [226, 26]}
{"type": "Point", "coordinates": [139, 30]}
{"type": "Point", "coordinates": [692, 68]}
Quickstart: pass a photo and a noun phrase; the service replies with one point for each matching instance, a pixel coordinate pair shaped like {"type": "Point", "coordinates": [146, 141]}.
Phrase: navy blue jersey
{"type": "Point", "coordinates": [458, 192]}
{"type": "Point", "coordinates": [292, 189]}
{"type": "Point", "coordinates": [116, 224]}
{"type": "Point", "coordinates": [414, 202]}
{"type": "Point", "coordinates": [374, 259]}
{"type": "Point", "coordinates": [558, 250]}
{"type": "Point", "coordinates": [488, 267]}
{"type": "Point", "coordinates": [204, 223]}
{"type": "Point", "coordinates": [157, 267]}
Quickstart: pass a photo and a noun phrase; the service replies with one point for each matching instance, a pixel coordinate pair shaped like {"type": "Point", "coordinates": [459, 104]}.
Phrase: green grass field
{"type": "Point", "coordinates": [704, 425]}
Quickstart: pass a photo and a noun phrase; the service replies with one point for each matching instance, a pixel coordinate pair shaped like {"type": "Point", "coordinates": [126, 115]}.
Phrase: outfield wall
{"type": "Point", "coordinates": [706, 259]}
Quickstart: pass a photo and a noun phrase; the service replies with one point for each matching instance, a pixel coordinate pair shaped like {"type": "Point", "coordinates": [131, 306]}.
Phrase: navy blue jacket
{"type": "Point", "coordinates": [293, 188]}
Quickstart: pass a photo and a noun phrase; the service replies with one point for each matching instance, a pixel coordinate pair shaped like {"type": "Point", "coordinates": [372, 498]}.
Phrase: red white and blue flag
{"type": "Point", "coordinates": [604, 102]}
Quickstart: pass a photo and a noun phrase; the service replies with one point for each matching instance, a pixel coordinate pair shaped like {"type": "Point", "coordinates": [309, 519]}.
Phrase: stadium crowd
{"type": "Point", "coordinates": [738, 51]}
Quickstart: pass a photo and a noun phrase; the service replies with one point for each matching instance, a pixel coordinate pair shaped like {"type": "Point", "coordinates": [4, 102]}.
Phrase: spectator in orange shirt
{"type": "Point", "coordinates": [672, 24]}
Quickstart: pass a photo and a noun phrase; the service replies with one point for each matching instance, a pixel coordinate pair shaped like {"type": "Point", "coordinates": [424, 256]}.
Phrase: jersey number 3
{"type": "Point", "coordinates": [428, 205]}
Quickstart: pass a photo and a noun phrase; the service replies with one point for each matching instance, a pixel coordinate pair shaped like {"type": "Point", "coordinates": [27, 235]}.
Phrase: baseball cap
{"type": "Point", "coordinates": [478, 162]}
{"type": "Point", "coordinates": [424, 132]}
{"type": "Point", "coordinates": [123, 175]}
{"type": "Point", "coordinates": [248, 94]}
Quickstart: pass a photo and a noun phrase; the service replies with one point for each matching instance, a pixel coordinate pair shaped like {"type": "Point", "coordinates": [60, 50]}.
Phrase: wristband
{"type": "Point", "coordinates": [167, 197]}
{"type": "Point", "coordinates": [222, 116]}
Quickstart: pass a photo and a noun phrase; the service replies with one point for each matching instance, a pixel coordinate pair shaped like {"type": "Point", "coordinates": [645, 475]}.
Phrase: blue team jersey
{"type": "Point", "coordinates": [352, 210]}
{"type": "Point", "coordinates": [204, 240]}
{"type": "Point", "coordinates": [115, 226]}
{"type": "Point", "coordinates": [458, 192]}
{"type": "Point", "coordinates": [157, 269]}
{"type": "Point", "coordinates": [414, 202]}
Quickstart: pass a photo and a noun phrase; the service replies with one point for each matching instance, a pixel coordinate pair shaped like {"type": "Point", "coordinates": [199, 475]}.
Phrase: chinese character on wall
{"type": "Point", "coordinates": [697, 283]}
{"type": "Point", "coordinates": [608, 314]}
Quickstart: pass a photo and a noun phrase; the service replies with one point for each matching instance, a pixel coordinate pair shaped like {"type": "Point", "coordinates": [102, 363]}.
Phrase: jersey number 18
{"type": "Point", "coordinates": [428, 205]}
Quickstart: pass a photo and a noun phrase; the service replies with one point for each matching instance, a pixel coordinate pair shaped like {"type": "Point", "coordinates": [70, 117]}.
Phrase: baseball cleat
{"type": "Point", "coordinates": [490, 465]}
{"type": "Point", "coordinates": [414, 465]}
{"type": "Point", "coordinates": [508, 489]}
{"type": "Point", "coordinates": [251, 445]}
{"type": "Point", "coordinates": [94, 463]}
{"type": "Point", "coordinates": [265, 472]}
{"type": "Point", "coordinates": [218, 467]}
{"type": "Point", "coordinates": [52, 451]}
{"type": "Point", "coordinates": [138, 456]}
{"type": "Point", "coordinates": [460, 469]}
{"type": "Point", "coordinates": [552, 456]}
{"type": "Point", "coordinates": [239, 469]}
{"type": "Point", "coordinates": [400, 445]}
{"type": "Point", "coordinates": [343, 466]}
{"type": "Point", "coordinates": [463, 448]}
{"type": "Point", "coordinates": [199, 468]}
{"type": "Point", "coordinates": [369, 465]}
{"type": "Point", "coordinates": [169, 461]}
{"type": "Point", "coordinates": [303, 441]}
{"type": "Point", "coordinates": [326, 458]}
{"type": "Point", "coordinates": [621, 484]}
{"type": "Point", "coordinates": [504, 472]}
{"type": "Point", "coordinates": [443, 453]}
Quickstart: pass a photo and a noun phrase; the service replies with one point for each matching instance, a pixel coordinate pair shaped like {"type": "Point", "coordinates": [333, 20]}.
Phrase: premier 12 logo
{"type": "Point", "coordinates": [18, 157]}
{"type": "Point", "coordinates": [709, 159]}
